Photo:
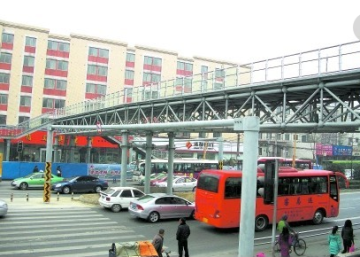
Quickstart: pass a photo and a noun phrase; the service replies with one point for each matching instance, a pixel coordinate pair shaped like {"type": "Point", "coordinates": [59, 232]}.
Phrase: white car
{"type": "Point", "coordinates": [3, 208]}
{"type": "Point", "coordinates": [118, 198]}
{"type": "Point", "coordinates": [181, 184]}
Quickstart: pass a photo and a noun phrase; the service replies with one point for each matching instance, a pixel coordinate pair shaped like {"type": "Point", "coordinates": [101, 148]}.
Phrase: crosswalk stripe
{"type": "Point", "coordinates": [22, 227]}
{"type": "Point", "coordinates": [51, 217]}
{"type": "Point", "coordinates": [41, 221]}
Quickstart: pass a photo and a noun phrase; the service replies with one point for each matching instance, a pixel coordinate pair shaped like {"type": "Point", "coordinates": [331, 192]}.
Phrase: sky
{"type": "Point", "coordinates": [229, 30]}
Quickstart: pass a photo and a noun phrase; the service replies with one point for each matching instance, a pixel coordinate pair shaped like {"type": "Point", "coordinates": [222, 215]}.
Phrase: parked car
{"type": "Point", "coordinates": [118, 198]}
{"type": "Point", "coordinates": [181, 184]}
{"type": "Point", "coordinates": [158, 179]}
{"type": "Point", "coordinates": [156, 206]}
{"type": "Point", "coordinates": [80, 184]}
{"type": "Point", "coordinates": [153, 176]}
{"type": "Point", "coordinates": [3, 208]}
{"type": "Point", "coordinates": [34, 180]}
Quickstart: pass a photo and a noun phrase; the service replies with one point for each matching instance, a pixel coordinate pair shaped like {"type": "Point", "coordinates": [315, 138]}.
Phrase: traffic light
{"type": "Point", "coordinates": [269, 182]}
{"type": "Point", "coordinates": [20, 146]}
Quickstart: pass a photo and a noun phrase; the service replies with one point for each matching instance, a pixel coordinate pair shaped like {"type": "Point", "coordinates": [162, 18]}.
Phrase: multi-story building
{"type": "Point", "coordinates": [40, 72]}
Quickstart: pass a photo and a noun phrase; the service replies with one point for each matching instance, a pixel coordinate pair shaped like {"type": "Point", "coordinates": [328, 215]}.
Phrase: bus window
{"type": "Point", "coordinates": [208, 183]}
{"type": "Point", "coordinates": [232, 188]}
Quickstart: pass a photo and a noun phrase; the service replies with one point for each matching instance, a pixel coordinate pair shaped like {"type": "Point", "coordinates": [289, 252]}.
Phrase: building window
{"type": "Point", "coordinates": [97, 70]}
{"type": "Point", "coordinates": [3, 99]}
{"type": "Point", "coordinates": [98, 52]}
{"type": "Point", "coordinates": [184, 69]}
{"type": "Point", "coordinates": [304, 138]}
{"type": "Point", "coordinates": [149, 78]}
{"type": "Point", "coordinates": [58, 46]}
{"type": "Point", "coordinates": [27, 81]}
{"type": "Point", "coordinates": [29, 61]}
{"type": "Point", "coordinates": [95, 89]}
{"type": "Point", "coordinates": [219, 78]}
{"type": "Point", "coordinates": [130, 57]}
{"type": "Point", "coordinates": [129, 74]}
{"type": "Point", "coordinates": [5, 57]}
{"type": "Point", "coordinates": [2, 119]}
{"type": "Point", "coordinates": [7, 38]}
{"type": "Point", "coordinates": [56, 65]}
{"type": "Point", "coordinates": [149, 94]}
{"type": "Point", "coordinates": [152, 61]}
{"type": "Point", "coordinates": [30, 41]}
{"type": "Point", "coordinates": [53, 103]}
{"type": "Point", "coordinates": [25, 100]}
{"type": "Point", "coordinates": [4, 78]}
{"type": "Point", "coordinates": [22, 119]}
{"type": "Point", "coordinates": [55, 84]}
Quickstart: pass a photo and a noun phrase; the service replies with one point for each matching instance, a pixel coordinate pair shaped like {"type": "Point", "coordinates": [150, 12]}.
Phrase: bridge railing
{"type": "Point", "coordinates": [317, 62]}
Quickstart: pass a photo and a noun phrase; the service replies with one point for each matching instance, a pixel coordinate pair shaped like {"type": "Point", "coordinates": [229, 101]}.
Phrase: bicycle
{"type": "Point", "coordinates": [298, 245]}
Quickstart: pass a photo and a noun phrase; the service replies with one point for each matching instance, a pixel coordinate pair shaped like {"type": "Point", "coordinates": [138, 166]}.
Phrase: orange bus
{"type": "Point", "coordinates": [302, 195]}
{"type": "Point", "coordinates": [300, 164]}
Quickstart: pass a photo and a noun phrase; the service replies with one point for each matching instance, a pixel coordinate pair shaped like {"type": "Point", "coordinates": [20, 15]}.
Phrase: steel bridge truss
{"type": "Point", "coordinates": [318, 104]}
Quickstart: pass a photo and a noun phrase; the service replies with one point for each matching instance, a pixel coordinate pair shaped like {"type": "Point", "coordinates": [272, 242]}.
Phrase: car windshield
{"type": "Point", "coordinates": [73, 179]}
{"type": "Point", "coordinates": [146, 198]}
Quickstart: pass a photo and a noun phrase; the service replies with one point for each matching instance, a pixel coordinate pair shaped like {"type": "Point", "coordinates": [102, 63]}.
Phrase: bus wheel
{"type": "Point", "coordinates": [261, 223]}
{"type": "Point", "coordinates": [318, 217]}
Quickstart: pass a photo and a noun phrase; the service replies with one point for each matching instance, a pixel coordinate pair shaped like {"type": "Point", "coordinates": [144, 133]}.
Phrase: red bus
{"type": "Point", "coordinates": [302, 195]}
{"type": "Point", "coordinates": [300, 164]}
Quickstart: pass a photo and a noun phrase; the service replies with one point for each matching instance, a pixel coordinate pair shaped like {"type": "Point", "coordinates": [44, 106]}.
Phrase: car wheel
{"type": "Point", "coordinates": [154, 217]}
{"type": "Point", "coordinates": [24, 186]}
{"type": "Point", "coordinates": [261, 223]}
{"type": "Point", "coordinates": [98, 189]}
{"type": "Point", "coordinates": [116, 208]}
{"type": "Point", "coordinates": [66, 190]}
{"type": "Point", "coordinates": [318, 217]}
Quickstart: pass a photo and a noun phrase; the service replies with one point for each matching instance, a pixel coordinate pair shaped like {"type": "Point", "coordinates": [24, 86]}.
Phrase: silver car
{"type": "Point", "coordinates": [156, 206]}
{"type": "Point", "coordinates": [3, 208]}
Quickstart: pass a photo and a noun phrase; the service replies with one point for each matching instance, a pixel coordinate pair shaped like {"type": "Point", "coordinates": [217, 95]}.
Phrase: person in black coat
{"type": "Point", "coordinates": [347, 234]}
{"type": "Point", "coordinates": [182, 235]}
{"type": "Point", "coordinates": [58, 171]}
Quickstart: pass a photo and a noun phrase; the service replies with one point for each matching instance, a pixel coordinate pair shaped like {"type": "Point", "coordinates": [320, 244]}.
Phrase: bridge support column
{"type": "Point", "coordinates": [170, 176]}
{"type": "Point", "coordinates": [124, 149]}
{"type": "Point", "coordinates": [72, 149]}
{"type": "Point", "coordinates": [251, 126]}
{"type": "Point", "coordinates": [88, 150]}
{"type": "Point", "coordinates": [148, 148]}
{"type": "Point", "coordinates": [7, 146]}
{"type": "Point", "coordinates": [56, 147]}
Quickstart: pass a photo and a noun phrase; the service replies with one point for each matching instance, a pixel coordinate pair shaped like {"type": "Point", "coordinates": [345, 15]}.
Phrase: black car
{"type": "Point", "coordinates": [85, 184]}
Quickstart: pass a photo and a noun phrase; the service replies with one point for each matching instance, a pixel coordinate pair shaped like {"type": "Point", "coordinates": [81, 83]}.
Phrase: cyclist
{"type": "Point", "coordinates": [283, 223]}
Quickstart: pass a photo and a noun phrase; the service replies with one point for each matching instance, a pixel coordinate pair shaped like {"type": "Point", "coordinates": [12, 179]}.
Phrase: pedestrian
{"type": "Point", "coordinates": [158, 242]}
{"type": "Point", "coordinates": [182, 235]}
{"type": "Point", "coordinates": [285, 242]}
{"type": "Point", "coordinates": [284, 223]}
{"type": "Point", "coordinates": [36, 169]}
{"type": "Point", "coordinates": [334, 241]}
{"type": "Point", "coordinates": [58, 171]}
{"type": "Point", "coordinates": [347, 234]}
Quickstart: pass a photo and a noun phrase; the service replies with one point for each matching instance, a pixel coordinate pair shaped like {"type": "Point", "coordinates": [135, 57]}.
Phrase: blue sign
{"type": "Point", "coordinates": [342, 150]}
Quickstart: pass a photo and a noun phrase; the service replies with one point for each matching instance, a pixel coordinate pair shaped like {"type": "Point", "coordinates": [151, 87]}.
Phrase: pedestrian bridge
{"type": "Point", "coordinates": [308, 92]}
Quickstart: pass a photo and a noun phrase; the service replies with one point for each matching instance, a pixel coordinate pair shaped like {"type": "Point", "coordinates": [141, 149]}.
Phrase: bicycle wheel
{"type": "Point", "coordinates": [300, 247]}
{"type": "Point", "coordinates": [276, 249]}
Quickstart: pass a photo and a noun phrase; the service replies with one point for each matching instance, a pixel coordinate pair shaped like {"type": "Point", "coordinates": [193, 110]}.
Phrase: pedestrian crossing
{"type": "Point", "coordinates": [59, 231]}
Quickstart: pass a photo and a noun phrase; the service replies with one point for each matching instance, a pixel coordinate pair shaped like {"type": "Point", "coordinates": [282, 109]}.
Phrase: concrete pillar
{"type": "Point", "coordinates": [148, 162]}
{"type": "Point", "coordinates": [251, 126]}
{"type": "Point", "coordinates": [170, 176]}
{"type": "Point", "coordinates": [56, 147]}
{"type": "Point", "coordinates": [7, 145]}
{"type": "Point", "coordinates": [72, 149]}
{"type": "Point", "coordinates": [88, 150]}
{"type": "Point", "coordinates": [124, 148]}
